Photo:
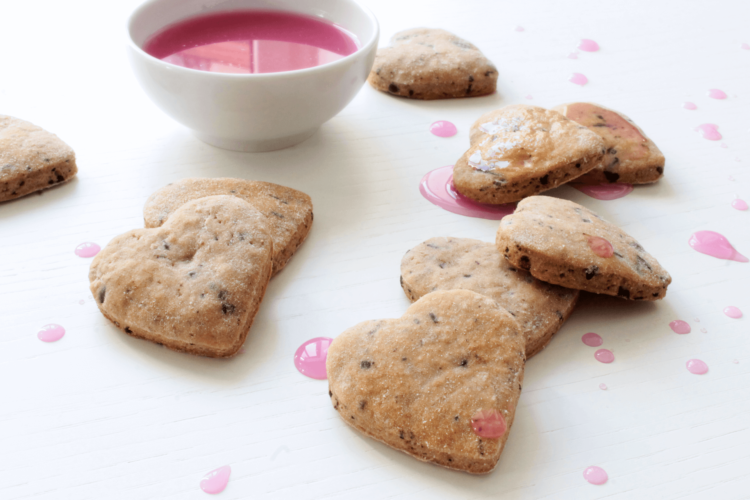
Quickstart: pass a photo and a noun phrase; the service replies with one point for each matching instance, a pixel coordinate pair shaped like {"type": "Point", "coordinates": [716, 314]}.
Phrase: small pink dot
{"type": "Point", "coordinates": [703, 330]}
{"type": "Point", "coordinates": [592, 339]}
{"type": "Point", "coordinates": [745, 46]}
{"type": "Point", "coordinates": [578, 79]}
{"type": "Point", "coordinates": [81, 301]}
{"type": "Point", "coordinates": [709, 131]}
{"type": "Point", "coordinates": [595, 475]}
{"type": "Point", "coordinates": [216, 481]}
{"type": "Point", "coordinates": [696, 366]}
{"type": "Point", "coordinates": [733, 312]}
{"type": "Point", "coordinates": [588, 45]}
{"type": "Point", "coordinates": [310, 358]}
{"type": "Point", "coordinates": [573, 55]}
{"type": "Point", "coordinates": [488, 424]}
{"type": "Point", "coordinates": [697, 320]}
{"type": "Point", "coordinates": [689, 105]}
{"type": "Point", "coordinates": [87, 249]}
{"type": "Point", "coordinates": [520, 29]}
{"type": "Point", "coordinates": [529, 97]}
{"type": "Point", "coordinates": [679, 326]}
{"type": "Point", "coordinates": [51, 333]}
{"type": "Point", "coordinates": [717, 94]}
{"type": "Point", "coordinates": [723, 145]}
{"type": "Point", "coordinates": [603, 387]}
{"type": "Point", "coordinates": [739, 204]}
{"type": "Point", "coordinates": [443, 128]}
{"type": "Point", "coordinates": [604, 356]}
{"type": "Point", "coordinates": [601, 247]}
{"type": "Point", "coordinates": [735, 361]}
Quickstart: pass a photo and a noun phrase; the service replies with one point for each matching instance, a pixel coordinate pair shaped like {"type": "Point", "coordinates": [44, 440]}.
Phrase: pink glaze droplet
{"type": "Point", "coordinates": [488, 424]}
{"type": "Point", "coordinates": [745, 46]}
{"type": "Point", "coordinates": [51, 333]}
{"type": "Point", "coordinates": [81, 301]}
{"type": "Point", "coordinates": [733, 312]}
{"type": "Point", "coordinates": [717, 94]}
{"type": "Point", "coordinates": [87, 249]}
{"type": "Point", "coordinates": [529, 97]}
{"type": "Point", "coordinates": [216, 481]}
{"type": "Point", "coordinates": [573, 55]}
{"type": "Point", "coordinates": [520, 28]}
{"type": "Point", "coordinates": [587, 45]}
{"type": "Point", "coordinates": [735, 361]}
{"type": "Point", "coordinates": [679, 326]}
{"type": "Point", "coordinates": [443, 128]}
{"type": "Point", "coordinates": [310, 358]}
{"type": "Point", "coordinates": [578, 79]}
{"type": "Point", "coordinates": [723, 145]}
{"type": "Point", "coordinates": [689, 105]}
{"type": "Point", "coordinates": [696, 366]}
{"type": "Point", "coordinates": [601, 247]}
{"type": "Point", "coordinates": [716, 245]}
{"type": "Point", "coordinates": [604, 356]}
{"type": "Point", "coordinates": [595, 475]}
{"type": "Point", "coordinates": [604, 191]}
{"type": "Point", "coordinates": [709, 131]}
{"type": "Point", "coordinates": [592, 339]}
{"type": "Point", "coordinates": [703, 330]}
{"type": "Point", "coordinates": [739, 204]}
{"type": "Point", "coordinates": [603, 387]}
{"type": "Point", "coordinates": [437, 187]}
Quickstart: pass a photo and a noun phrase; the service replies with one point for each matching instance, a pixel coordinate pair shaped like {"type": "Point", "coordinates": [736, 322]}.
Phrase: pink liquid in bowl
{"type": "Point", "coordinates": [251, 41]}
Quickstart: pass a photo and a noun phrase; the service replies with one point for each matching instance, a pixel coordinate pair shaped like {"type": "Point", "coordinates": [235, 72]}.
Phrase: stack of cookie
{"type": "Point", "coordinates": [194, 278]}
{"type": "Point", "coordinates": [442, 382]}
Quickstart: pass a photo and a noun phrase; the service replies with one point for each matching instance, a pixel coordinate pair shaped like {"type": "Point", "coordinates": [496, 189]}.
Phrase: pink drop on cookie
{"type": "Point", "coordinates": [216, 481]}
{"type": "Point", "coordinates": [679, 326]}
{"type": "Point", "coordinates": [488, 424]}
{"type": "Point", "coordinates": [87, 250]}
{"type": "Point", "coordinates": [51, 333]}
{"type": "Point", "coordinates": [709, 131]}
{"type": "Point", "coordinates": [601, 247]}
{"type": "Point", "coordinates": [604, 356]}
{"type": "Point", "coordinates": [587, 45]}
{"type": "Point", "coordinates": [689, 105]}
{"type": "Point", "coordinates": [697, 367]}
{"type": "Point", "coordinates": [595, 475]}
{"type": "Point", "coordinates": [717, 94]}
{"type": "Point", "coordinates": [443, 128]}
{"type": "Point", "coordinates": [733, 312]}
{"type": "Point", "coordinates": [604, 192]}
{"type": "Point", "coordinates": [578, 79]}
{"type": "Point", "coordinates": [310, 358]}
{"type": "Point", "coordinates": [592, 339]}
{"type": "Point", "coordinates": [739, 204]}
{"type": "Point", "coordinates": [716, 245]}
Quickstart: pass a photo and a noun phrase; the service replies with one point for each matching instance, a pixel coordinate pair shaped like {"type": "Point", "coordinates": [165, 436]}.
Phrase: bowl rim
{"type": "Point", "coordinates": [364, 48]}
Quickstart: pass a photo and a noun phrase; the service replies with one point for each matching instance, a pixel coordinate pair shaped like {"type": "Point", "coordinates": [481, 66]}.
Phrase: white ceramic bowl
{"type": "Point", "coordinates": [252, 112]}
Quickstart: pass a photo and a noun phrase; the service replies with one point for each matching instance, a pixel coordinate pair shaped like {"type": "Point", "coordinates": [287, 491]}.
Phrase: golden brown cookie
{"type": "Point", "coordinates": [31, 159]}
{"type": "Point", "coordinates": [631, 157]}
{"type": "Point", "coordinates": [466, 264]}
{"type": "Point", "coordinates": [425, 63]}
{"type": "Point", "coordinates": [522, 150]}
{"type": "Point", "coordinates": [289, 212]}
{"type": "Point", "coordinates": [561, 242]}
{"type": "Point", "coordinates": [195, 283]}
{"type": "Point", "coordinates": [416, 382]}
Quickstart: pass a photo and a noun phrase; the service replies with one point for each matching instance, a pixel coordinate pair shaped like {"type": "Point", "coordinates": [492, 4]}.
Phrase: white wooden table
{"type": "Point", "coordinates": [101, 415]}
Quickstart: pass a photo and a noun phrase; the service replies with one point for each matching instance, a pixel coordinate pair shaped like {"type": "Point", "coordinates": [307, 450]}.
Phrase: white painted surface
{"type": "Point", "coordinates": [101, 415]}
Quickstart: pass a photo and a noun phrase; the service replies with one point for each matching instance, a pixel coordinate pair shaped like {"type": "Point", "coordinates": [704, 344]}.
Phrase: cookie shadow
{"type": "Point", "coordinates": [39, 200]}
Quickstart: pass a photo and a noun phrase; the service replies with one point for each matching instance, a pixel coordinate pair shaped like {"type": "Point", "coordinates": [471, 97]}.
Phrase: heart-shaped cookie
{"type": "Point", "coordinates": [193, 284]}
{"type": "Point", "coordinates": [424, 63]}
{"type": "Point", "coordinates": [441, 383]}
{"type": "Point", "coordinates": [465, 264]}
{"type": "Point", "coordinates": [631, 157]}
{"type": "Point", "coordinates": [564, 243]}
{"type": "Point", "coordinates": [289, 212]}
{"type": "Point", "coordinates": [31, 159]}
{"type": "Point", "coordinates": [522, 150]}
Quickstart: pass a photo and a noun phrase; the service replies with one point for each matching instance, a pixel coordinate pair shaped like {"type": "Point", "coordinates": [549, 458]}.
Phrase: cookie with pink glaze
{"type": "Point", "coordinates": [521, 150]}
{"type": "Point", "coordinates": [566, 244]}
{"type": "Point", "coordinates": [631, 156]}
{"type": "Point", "coordinates": [466, 264]}
{"type": "Point", "coordinates": [31, 159]}
{"type": "Point", "coordinates": [416, 383]}
{"type": "Point", "coordinates": [425, 63]}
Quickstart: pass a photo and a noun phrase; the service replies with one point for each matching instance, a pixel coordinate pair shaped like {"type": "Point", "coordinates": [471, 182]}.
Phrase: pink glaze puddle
{"type": "Point", "coordinates": [443, 128]}
{"type": "Point", "coordinates": [437, 187]}
{"type": "Point", "coordinates": [715, 245]}
{"type": "Point", "coordinates": [709, 131]}
{"type": "Point", "coordinates": [696, 366]}
{"type": "Point", "coordinates": [520, 28]}
{"type": "Point", "coordinates": [488, 424]}
{"type": "Point", "coordinates": [689, 105]}
{"type": "Point", "coordinates": [733, 312]}
{"type": "Point", "coordinates": [604, 356]}
{"type": "Point", "coordinates": [717, 94]}
{"type": "Point", "coordinates": [605, 192]}
{"type": "Point", "coordinates": [592, 339]}
{"type": "Point", "coordinates": [51, 333]}
{"type": "Point", "coordinates": [216, 481]}
{"type": "Point", "coordinates": [578, 79]}
{"type": "Point", "coordinates": [739, 204]}
{"type": "Point", "coordinates": [573, 55]}
{"type": "Point", "coordinates": [595, 475]}
{"type": "Point", "coordinates": [603, 387]}
{"type": "Point", "coordinates": [310, 358]}
{"type": "Point", "coordinates": [601, 247]}
{"type": "Point", "coordinates": [745, 46]}
{"type": "Point", "coordinates": [679, 326]}
{"type": "Point", "coordinates": [587, 45]}
{"type": "Point", "coordinates": [87, 250]}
